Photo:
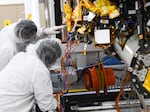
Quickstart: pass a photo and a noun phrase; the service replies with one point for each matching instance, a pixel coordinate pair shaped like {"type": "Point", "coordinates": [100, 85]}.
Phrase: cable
{"type": "Point", "coordinates": [121, 91]}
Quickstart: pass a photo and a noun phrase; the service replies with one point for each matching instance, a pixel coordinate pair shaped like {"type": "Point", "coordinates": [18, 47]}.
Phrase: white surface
{"type": "Point", "coordinates": [32, 7]}
{"type": "Point", "coordinates": [89, 17]}
{"type": "Point", "coordinates": [126, 54]}
{"type": "Point", "coordinates": [102, 36]}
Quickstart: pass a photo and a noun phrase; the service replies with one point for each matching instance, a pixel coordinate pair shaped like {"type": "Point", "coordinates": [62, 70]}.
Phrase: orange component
{"type": "Point", "coordinates": [101, 78]}
{"type": "Point", "coordinates": [110, 76]}
{"type": "Point", "coordinates": [87, 80]}
{"type": "Point", "coordinates": [91, 79]}
{"type": "Point", "coordinates": [94, 79]}
{"type": "Point", "coordinates": [104, 81]}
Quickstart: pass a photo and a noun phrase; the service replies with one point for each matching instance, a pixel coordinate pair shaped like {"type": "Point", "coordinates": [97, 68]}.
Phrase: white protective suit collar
{"type": "Point", "coordinates": [31, 48]}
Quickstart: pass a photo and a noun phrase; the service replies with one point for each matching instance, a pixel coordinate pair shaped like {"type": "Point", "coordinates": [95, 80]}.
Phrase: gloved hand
{"type": "Point", "coordinates": [53, 30]}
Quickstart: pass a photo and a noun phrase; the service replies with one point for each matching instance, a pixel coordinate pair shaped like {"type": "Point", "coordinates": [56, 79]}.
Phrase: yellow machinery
{"type": "Point", "coordinates": [121, 31]}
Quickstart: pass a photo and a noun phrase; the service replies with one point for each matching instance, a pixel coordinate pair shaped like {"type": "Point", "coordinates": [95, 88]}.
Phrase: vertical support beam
{"type": "Point", "coordinates": [32, 11]}
{"type": "Point", "coordinates": [49, 13]}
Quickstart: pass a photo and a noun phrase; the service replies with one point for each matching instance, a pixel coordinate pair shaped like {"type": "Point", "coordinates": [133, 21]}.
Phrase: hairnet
{"type": "Point", "coordinates": [49, 51]}
{"type": "Point", "coordinates": [26, 30]}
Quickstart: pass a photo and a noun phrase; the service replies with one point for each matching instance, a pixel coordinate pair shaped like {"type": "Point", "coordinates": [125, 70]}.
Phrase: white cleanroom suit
{"type": "Point", "coordinates": [15, 37]}
{"type": "Point", "coordinates": [26, 80]}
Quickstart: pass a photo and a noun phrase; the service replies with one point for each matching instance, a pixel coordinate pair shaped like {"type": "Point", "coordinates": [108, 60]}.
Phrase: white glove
{"type": "Point", "coordinates": [53, 30]}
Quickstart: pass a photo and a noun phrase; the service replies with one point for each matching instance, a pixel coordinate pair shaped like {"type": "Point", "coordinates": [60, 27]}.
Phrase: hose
{"type": "Point", "coordinates": [121, 91]}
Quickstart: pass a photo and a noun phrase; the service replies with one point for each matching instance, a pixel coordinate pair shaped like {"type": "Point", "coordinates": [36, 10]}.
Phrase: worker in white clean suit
{"type": "Point", "coordinates": [15, 37]}
{"type": "Point", "coordinates": [26, 78]}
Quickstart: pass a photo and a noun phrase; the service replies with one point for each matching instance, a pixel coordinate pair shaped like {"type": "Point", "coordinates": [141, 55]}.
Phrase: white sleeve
{"type": "Point", "coordinates": [43, 90]}
{"type": "Point", "coordinates": [41, 34]}
{"type": "Point", "coordinates": [5, 56]}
